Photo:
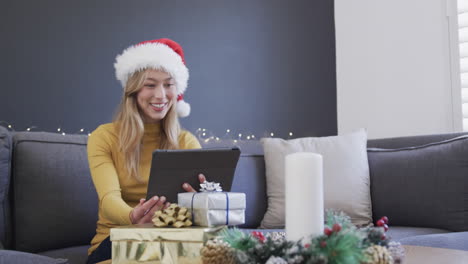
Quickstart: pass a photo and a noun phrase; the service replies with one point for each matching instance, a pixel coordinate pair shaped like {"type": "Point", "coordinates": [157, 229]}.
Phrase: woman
{"type": "Point", "coordinates": [154, 77]}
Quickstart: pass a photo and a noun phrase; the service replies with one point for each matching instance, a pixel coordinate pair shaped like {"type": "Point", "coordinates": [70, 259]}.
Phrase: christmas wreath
{"type": "Point", "coordinates": [341, 243]}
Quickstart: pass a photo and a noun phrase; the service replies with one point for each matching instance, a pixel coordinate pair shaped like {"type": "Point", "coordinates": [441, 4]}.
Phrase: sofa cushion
{"type": "Point", "coordinates": [345, 175]}
{"type": "Point", "coordinates": [455, 240]}
{"type": "Point", "coordinates": [250, 179]}
{"type": "Point", "coordinates": [11, 256]}
{"type": "Point", "coordinates": [75, 255]}
{"type": "Point", "coordinates": [425, 186]}
{"type": "Point", "coordinates": [251, 147]}
{"type": "Point", "coordinates": [5, 167]}
{"type": "Point", "coordinates": [400, 232]}
{"type": "Point", "coordinates": [55, 202]}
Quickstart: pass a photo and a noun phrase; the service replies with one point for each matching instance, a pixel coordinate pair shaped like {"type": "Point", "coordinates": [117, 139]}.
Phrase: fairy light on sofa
{"type": "Point", "coordinates": [206, 135]}
{"type": "Point", "coordinates": [33, 128]}
{"type": "Point", "coordinates": [203, 134]}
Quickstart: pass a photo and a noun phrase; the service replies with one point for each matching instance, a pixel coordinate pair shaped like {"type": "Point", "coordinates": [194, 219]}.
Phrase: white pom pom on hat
{"type": "Point", "coordinates": [164, 54]}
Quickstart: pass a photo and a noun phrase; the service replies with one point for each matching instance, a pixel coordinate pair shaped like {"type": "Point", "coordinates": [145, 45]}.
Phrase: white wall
{"type": "Point", "coordinates": [394, 68]}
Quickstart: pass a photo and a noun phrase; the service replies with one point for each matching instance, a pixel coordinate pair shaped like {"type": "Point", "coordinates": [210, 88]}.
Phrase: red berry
{"type": "Point", "coordinates": [336, 228]}
{"type": "Point", "coordinates": [323, 243]}
{"type": "Point", "coordinates": [385, 226]}
{"type": "Point", "coordinates": [385, 219]}
{"type": "Point", "coordinates": [383, 237]}
{"type": "Point", "coordinates": [259, 236]}
{"type": "Point", "coordinates": [307, 245]}
{"type": "Point", "coordinates": [380, 222]}
{"type": "Point", "coordinates": [327, 231]}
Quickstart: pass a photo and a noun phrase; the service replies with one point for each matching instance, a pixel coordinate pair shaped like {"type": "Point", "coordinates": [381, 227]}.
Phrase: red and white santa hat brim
{"type": "Point", "coordinates": [161, 54]}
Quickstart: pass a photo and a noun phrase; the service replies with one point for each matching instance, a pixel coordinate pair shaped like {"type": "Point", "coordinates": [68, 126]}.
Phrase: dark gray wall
{"type": "Point", "coordinates": [256, 66]}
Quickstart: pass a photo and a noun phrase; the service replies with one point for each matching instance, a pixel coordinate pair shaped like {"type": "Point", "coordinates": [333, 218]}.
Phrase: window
{"type": "Point", "coordinates": [463, 48]}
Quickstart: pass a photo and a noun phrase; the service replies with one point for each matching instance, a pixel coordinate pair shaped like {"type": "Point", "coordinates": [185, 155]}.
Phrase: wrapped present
{"type": "Point", "coordinates": [148, 244]}
{"type": "Point", "coordinates": [214, 208]}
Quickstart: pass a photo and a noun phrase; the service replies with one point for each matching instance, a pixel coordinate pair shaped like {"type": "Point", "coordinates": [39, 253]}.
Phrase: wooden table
{"type": "Point", "coordinates": [430, 255]}
{"type": "Point", "coordinates": [109, 261]}
{"type": "Point", "coordinates": [419, 255]}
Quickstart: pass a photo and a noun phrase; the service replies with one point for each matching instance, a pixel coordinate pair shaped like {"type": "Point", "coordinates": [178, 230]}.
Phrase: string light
{"type": "Point", "coordinates": [203, 134]}
{"type": "Point", "coordinates": [206, 136]}
{"type": "Point", "coordinates": [35, 128]}
{"type": "Point", "coordinates": [234, 136]}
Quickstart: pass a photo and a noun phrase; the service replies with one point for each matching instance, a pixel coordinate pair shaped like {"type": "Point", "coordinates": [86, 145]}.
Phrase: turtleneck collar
{"type": "Point", "coordinates": [152, 128]}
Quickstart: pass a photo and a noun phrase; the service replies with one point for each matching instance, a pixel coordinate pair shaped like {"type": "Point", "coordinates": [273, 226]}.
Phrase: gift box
{"type": "Point", "coordinates": [148, 244]}
{"type": "Point", "coordinates": [214, 208]}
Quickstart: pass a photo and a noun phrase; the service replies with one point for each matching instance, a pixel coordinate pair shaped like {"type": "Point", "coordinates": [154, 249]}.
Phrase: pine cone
{"type": "Point", "coordinates": [217, 252]}
{"type": "Point", "coordinates": [378, 255]}
{"type": "Point", "coordinates": [397, 251]}
{"type": "Point", "coordinates": [174, 215]}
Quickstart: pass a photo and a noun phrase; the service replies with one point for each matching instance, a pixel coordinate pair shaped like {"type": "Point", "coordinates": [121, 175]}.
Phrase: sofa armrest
{"type": "Point", "coordinates": [5, 175]}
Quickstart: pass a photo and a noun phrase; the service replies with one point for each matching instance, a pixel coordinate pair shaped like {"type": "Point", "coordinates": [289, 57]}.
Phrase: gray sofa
{"type": "Point", "coordinates": [48, 207]}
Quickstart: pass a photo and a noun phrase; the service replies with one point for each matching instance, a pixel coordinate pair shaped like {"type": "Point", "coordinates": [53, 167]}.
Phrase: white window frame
{"type": "Point", "coordinates": [459, 94]}
{"type": "Point", "coordinates": [462, 15]}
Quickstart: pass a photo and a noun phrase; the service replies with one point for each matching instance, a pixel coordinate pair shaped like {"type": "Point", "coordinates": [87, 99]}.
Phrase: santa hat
{"type": "Point", "coordinates": [163, 54]}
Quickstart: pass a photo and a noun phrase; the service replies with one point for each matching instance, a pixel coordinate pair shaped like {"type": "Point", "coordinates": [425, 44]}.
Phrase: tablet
{"type": "Point", "coordinates": [172, 168]}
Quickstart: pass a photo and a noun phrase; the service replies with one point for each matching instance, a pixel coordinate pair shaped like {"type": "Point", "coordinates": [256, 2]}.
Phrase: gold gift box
{"type": "Point", "coordinates": [148, 244]}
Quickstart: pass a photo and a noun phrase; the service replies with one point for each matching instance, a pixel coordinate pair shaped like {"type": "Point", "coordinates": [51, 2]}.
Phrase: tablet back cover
{"type": "Point", "coordinates": [172, 168]}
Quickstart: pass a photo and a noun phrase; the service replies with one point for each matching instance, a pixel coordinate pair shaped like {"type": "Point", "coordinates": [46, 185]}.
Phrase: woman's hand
{"type": "Point", "coordinates": [144, 211]}
{"type": "Point", "coordinates": [188, 188]}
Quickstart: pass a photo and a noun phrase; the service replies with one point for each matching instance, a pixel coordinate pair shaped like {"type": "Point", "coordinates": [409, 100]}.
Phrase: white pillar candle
{"type": "Point", "coordinates": [304, 195]}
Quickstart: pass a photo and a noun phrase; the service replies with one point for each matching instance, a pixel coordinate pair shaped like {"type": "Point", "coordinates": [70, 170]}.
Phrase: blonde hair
{"type": "Point", "coordinates": [131, 126]}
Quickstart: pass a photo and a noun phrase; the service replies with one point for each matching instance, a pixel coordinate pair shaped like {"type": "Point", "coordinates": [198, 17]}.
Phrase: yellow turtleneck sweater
{"type": "Point", "coordinates": [118, 193]}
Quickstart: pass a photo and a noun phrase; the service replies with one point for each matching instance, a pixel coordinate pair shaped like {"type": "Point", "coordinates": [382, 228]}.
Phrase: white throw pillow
{"type": "Point", "coordinates": [345, 175]}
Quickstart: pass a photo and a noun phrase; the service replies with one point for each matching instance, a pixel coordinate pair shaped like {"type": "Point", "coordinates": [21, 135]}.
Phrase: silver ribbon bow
{"type": "Point", "coordinates": [210, 187]}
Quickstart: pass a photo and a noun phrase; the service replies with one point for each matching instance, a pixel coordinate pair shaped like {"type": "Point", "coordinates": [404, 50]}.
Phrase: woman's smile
{"type": "Point", "coordinates": [158, 107]}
